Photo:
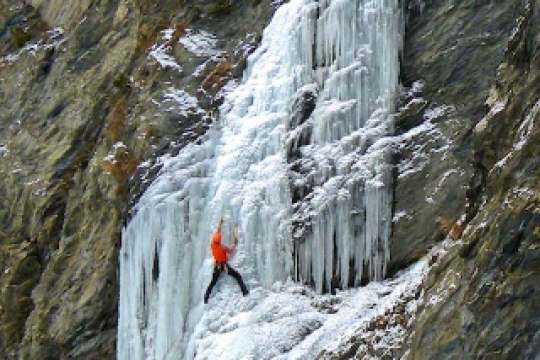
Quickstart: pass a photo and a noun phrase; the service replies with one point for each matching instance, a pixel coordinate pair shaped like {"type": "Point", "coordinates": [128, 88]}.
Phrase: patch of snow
{"type": "Point", "coordinates": [159, 53]}
{"type": "Point", "coordinates": [33, 182]}
{"type": "Point", "coordinates": [496, 108]}
{"type": "Point", "coordinates": [199, 70]}
{"type": "Point", "coordinates": [200, 43]}
{"type": "Point", "coordinates": [400, 215]}
{"type": "Point", "coordinates": [109, 158]}
{"type": "Point", "coordinates": [439, 111]}
{"type": "Point", "coordinates": [523, 193]}
{"type": "Point", "coordinates": [119, 145]}
{"type": "Point", "coordinates": [183, 102]}
{"type": "Point", "coordinates": [145, 164]}
{"type": "Point", "coordinates": [417, 87]}
{"type": "Point", "coordinates": [445, 289]}
{"type": "Point", "coordinates": [437, 143]}
{"type": "Point", "coordinates": [443, 178]}
{"type": "Point", "coordinates": [53, 39]}
{"type": "Point", "coordinates": [38, 187]}
{"type": "Point", "coordinates": [522, 135]}
{"type": "Point", "coordinates": [167, 34]}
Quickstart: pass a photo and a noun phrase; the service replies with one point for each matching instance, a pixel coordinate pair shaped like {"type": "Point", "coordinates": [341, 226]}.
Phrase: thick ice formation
{"type": "Point", "coordinates": [344, 53]}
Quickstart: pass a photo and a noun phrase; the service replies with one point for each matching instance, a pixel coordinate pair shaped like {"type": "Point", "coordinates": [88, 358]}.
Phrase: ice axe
{"type": "Point", "coordinates": [235, 235]}
{"type": "Point", "coordinates": [221, 217]}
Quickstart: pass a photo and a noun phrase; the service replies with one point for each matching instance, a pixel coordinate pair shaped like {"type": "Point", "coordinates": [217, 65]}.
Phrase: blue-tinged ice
{"type": "Point", "coordinates": [344, 53]}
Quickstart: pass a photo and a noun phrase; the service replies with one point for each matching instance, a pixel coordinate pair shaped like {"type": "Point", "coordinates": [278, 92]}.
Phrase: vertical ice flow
{"type": "Point", "coordinates": [347, 53]}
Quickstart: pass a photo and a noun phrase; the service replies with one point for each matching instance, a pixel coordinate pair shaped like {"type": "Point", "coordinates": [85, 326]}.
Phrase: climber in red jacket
{"type": "Point", "coordinates": [221, 253]}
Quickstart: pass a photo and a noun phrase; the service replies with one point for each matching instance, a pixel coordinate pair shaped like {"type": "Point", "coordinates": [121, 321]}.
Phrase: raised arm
{"type": "Point", "coordinates": [216, 237]}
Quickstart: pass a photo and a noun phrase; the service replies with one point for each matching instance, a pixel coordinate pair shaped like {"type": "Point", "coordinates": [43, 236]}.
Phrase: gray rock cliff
{"type": "Point", "coordinates": [81, 134]}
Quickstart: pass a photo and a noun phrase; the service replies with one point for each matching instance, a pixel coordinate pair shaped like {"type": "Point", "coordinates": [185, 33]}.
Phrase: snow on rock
{"type": "Point", "coordinates": [159, 52]}
{"type": "Point", "coordinates": [200, 43]}
{"type": "Point", "coordinates": [52, 38]}
{"type": "Point", "coordinates": [290, 321]}
{"type": "Point", "coordinates": [522, 135]}
{"type": "Point", "coordinates": [438, 142]}
{"type": "Point", "coordinates": [181, 102]}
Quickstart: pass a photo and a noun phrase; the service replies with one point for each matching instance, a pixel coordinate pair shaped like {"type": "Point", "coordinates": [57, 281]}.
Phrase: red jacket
{"type": "Point", "coordinates": [219, 251]}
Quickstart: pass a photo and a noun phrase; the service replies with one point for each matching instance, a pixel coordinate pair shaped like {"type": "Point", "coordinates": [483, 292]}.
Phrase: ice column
{"type": "Point", "coordinates": [355, 62]}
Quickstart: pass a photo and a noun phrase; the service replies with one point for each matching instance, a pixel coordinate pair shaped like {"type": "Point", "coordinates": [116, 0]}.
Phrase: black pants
{"type": "Point", "coordinates": [220, 268]}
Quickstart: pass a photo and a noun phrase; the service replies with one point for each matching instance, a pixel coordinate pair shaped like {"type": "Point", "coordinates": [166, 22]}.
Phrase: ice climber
{"type": "Point", "coordinates": [221, 253]}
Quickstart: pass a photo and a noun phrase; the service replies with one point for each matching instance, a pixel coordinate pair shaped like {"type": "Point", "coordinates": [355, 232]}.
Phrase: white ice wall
{"type": "Point", "coordinates": [355, 67]}
{"type": "Point", "coordinates": [348, 51]}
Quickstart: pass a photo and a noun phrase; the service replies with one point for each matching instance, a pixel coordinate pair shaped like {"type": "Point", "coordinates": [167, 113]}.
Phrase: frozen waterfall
{"type": "Point", "coordinates": [309, 189]}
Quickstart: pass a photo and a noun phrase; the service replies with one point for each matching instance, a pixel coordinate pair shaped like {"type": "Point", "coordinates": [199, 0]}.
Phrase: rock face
{"type": "Point", "coordinates": [481, 300]}
{"type": "Point", "coordinates": [80, 133]}
{"type": "Point", "coordinates": [450, 59]}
